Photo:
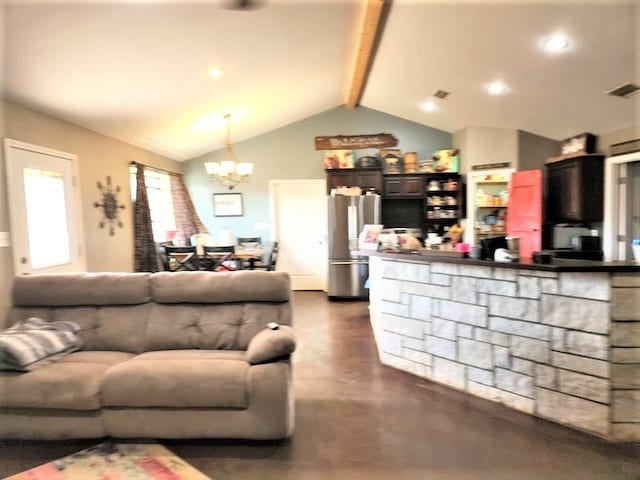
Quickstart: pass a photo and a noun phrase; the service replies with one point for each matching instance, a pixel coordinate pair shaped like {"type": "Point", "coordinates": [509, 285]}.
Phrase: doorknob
{"type": "Point", "coordinates": [23, 260]}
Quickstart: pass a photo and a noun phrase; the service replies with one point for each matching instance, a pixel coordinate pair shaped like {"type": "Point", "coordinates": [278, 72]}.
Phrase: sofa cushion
{"type": "Point", "coordinates": [72, 383]}
{"type": "Point", "coordinates": [269, 345]}
{"type": "Point", "coordinates": [218, 287]}
{"type": "Point", "coordinates": [66, 289]}
{"type": "Point", "coordinates": [210, 326]}
{"type": "Point", "coordinates": [177, 379]}
{"type": "Point", "coordinates": [173, 327]}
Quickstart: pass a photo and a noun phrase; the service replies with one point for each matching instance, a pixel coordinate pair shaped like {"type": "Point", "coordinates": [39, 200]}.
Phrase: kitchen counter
{"type": "Point", "coordinates": [557, 265]}
{"type": "Point", "coordinates": [559, 341]}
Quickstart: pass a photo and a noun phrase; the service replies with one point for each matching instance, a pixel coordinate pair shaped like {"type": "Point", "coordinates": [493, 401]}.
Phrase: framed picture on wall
{"type": "Point", "coordinates": [227, 204]}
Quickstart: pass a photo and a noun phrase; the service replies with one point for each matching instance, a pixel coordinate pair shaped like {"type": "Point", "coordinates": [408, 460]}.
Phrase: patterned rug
{"type": "Point", "coordinates": [116, 461]}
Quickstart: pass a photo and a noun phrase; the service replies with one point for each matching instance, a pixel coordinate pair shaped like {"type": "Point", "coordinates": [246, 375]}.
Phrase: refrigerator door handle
{"type": "Point", "coordinates": [352, 225]}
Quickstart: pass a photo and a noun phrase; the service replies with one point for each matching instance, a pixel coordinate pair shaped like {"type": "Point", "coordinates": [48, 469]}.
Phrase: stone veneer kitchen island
{"type": "Point", "coordinates": [560, 341]}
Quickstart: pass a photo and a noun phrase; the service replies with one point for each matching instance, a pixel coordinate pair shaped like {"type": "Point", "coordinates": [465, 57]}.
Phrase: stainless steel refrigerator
{"type": "Point", "coordinates": [348, 271]}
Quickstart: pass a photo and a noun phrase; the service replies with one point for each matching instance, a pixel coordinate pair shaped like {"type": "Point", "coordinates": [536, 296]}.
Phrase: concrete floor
{"type": "Point", "coordinates": [356, 419]}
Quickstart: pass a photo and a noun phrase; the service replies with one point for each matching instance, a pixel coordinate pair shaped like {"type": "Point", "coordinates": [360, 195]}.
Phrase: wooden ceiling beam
{"type": "Point", "coordinates": [373, 22]}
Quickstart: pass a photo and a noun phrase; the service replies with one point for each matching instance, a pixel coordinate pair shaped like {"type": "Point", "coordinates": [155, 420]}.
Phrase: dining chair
{"type": "Point", "coordinates": [182, 258]}
{"type": "Point", "coordinates": [269, 258]}
{"type": "Point", "coordinates": [200, 240]}
{"type": "Point", "coordinates": [162, 254]}
{"type": "Point", "coordinates": [219, 263]}
{"type": "Point", "coordinates": [249, 242]}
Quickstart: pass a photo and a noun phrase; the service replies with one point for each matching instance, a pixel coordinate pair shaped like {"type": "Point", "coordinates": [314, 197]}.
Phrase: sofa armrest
{"type": "Point", "coordinates": [270, 344]}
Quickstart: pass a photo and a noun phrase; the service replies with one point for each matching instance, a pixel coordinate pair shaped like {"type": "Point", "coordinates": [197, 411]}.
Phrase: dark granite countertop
{"type": "Point", "coordinates": [557, 264]}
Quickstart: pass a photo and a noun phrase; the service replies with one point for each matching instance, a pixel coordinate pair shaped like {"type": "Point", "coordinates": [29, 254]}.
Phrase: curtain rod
{"type": "Point", "coordinates": [154, 168]}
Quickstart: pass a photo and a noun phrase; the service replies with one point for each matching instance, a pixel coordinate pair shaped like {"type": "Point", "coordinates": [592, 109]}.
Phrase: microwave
{"type": "Point", "coordinates": [562, 236]}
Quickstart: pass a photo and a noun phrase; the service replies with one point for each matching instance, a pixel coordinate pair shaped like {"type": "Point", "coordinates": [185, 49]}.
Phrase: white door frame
{"type": "Point", "coordinates": [17, 224]}
{"type": "Point", "coordinates": [470, 222]}
{"type": "Point", "coordinates": [612, 207]}
{"type": "Point", "coordinates": [273, 218]}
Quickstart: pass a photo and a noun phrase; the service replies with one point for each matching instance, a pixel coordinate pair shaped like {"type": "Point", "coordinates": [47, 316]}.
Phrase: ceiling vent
{"type": "Point", "coordinates": [441, 94]}
{"type": "Point", "coordinates": [625, 90]}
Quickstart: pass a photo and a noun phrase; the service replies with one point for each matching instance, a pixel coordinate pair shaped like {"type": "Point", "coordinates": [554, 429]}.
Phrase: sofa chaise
{"type": "Point", "coordinates": [164, 355]}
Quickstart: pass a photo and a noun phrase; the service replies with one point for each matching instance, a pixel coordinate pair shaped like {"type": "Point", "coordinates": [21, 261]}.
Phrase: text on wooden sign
{"type": "Point", "coordinates": [344, 142]}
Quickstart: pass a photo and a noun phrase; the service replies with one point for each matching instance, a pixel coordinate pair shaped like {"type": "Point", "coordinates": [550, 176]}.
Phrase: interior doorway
{"type": "Point", "coordinates": [621, 205]}
{"type": "Point", "coordinates": [44, 209]}
{"type": "Point", "coordinates": [298, 214]}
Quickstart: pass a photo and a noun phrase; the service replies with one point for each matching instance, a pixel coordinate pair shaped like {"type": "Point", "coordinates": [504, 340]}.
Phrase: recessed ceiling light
{"type": "Point", "coordinates": [429, 106]}
{"type": "Point", "coordinates": [216, 72]}
{"type": "Point", "coordinates": [555, 43]}
{"type": "Point", "coordinates": [497, 88]}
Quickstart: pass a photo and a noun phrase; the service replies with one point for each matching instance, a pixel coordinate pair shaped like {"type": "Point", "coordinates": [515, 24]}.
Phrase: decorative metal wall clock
{"type": "Point", "coordinates": [110, 206]}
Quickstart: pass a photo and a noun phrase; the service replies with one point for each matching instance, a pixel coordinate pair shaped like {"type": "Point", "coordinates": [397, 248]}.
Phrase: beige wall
{"type": "Point", "coordinates": [533, 150]}
{"type": "Point", "coordinates": [99, 156]}
{"type": "Point", "coordinates": [487, 145]}
{"type": "Point", "coordinates": [605, 140]}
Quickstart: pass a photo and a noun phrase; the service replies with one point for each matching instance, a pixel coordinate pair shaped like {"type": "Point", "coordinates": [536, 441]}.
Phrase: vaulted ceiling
{"type": "Point", "coordinates": [138, 71]}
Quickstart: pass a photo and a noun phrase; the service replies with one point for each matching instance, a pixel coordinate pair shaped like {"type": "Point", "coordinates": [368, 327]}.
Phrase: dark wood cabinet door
{"type": "Point", "coordinates": [564, 193]}
{"type": "Point", "coordinates": [392, 187]}
{"type": "Point", "coordinates": [413, 186]}
{"type": "Point", "coordinates": [404, 186]}
{"type": "Point", "coordinates": [337, 179]}
{"type": "Point", "coordinates": [368, 180]}
{"type": "Point", "coordinates": [575, 190]}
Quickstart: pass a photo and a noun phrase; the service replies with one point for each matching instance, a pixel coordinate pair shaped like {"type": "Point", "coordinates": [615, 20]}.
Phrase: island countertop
{"type": "Point", "coordinates": [557, 264]}
{"type": "Point", "coordinates": [560, 340]}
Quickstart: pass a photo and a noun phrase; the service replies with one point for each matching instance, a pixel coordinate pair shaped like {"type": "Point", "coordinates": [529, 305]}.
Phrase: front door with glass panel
{"type": "Point", "coordinates": [44, 207]}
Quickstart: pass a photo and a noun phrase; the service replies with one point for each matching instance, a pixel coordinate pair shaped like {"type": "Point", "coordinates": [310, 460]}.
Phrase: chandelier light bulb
{"type": "Point", "coordinates": [229, 172]}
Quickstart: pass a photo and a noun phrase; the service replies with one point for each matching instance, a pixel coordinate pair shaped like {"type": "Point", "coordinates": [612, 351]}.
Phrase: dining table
{"type": "Point", "coordinates": [241, 253]}
{"type": "Point", "coordinates": [251, 254]}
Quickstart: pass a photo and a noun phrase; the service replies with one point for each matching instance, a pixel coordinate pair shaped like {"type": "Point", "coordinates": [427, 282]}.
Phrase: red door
{"type": "Point", "coordinates": [524, 214]}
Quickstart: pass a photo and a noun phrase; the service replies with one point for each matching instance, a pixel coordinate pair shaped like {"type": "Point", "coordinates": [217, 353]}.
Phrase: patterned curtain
{"type": "Point", "coordinates": [187, 220]}
{"type": "Point", "coordinates": [145, 257]}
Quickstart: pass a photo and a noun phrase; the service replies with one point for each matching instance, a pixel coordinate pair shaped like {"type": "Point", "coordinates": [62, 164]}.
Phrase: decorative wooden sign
{"type": "Point", "coordinates": [349, 142]}
{"type": "Point", "coordinates": [491, 166]}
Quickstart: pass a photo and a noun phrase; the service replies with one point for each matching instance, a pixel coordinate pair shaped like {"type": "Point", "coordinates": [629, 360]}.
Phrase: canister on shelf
{"type": "Point", "coordinates": [410, 164]}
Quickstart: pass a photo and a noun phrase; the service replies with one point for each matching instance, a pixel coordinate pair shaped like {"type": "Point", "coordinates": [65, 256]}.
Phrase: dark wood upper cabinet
{"type": "Point", "coordinates": [403, 186]}
{"type": "Point", "coordinates": [365, 178]}
{"type": "Point", "coordinates": [575, 190]}
{"type": "Point", "coordinates": [368, 179]}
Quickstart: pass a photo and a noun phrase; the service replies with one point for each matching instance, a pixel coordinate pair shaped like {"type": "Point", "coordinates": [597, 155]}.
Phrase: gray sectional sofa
{"type": "Point", "coordinates": [164, 355]}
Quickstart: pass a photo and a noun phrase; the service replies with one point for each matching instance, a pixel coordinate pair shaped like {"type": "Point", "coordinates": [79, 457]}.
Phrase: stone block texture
{"type": "Point", "coordinates": [565, 346]}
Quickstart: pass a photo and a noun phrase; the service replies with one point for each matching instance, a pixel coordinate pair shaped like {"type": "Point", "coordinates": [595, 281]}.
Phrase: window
{"type": "Point", "coordinates": [160, 202]}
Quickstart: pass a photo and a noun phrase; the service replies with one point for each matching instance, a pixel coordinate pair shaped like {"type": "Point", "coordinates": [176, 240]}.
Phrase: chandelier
{"type": "Point", "coordinates": [229, 172]}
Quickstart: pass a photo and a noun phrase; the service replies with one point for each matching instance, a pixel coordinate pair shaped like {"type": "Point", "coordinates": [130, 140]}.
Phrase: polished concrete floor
{"type": "Point", "coordinates": [356, 419]}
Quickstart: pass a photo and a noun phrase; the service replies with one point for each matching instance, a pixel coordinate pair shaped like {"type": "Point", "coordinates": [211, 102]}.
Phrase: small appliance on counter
{"type": "Point", "coordinates": [490, 245]}
{"type": "Point", "coordinates": [586, 243]}
{"type": "Point", "coordinates": [563, 235]}
{"type": "Point", "coordinates": [576, 242]}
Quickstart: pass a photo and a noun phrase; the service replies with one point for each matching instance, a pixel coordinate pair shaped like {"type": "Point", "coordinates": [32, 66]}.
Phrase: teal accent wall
{"type": "Point", "coordinates": [289, 153]}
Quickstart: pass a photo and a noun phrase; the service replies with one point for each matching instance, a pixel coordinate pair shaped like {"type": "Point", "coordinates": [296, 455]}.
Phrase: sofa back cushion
{"type": "Point", "coordinates": [215, 310]}
{"type": "Point", "coordinates": [135, 313]}
{"type": "Point", "coordinates": [64, 289]}
{"type": "Point", "coordinates": [220, 287]}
